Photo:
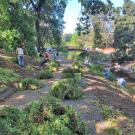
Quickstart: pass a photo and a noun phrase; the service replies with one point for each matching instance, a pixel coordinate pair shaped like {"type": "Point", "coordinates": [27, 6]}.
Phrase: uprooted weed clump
{"type": "Point", "coordinates": [46, 116]}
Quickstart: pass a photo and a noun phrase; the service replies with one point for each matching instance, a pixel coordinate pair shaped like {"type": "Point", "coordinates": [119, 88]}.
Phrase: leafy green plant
{"type": "Point", "coordinates": [29, 68]}
{"type": "Point", "coordinates": [77, 67]}
{"type": "Point", "coordinates": [7, 76]}
{"type": "Point", "coordinates": [113, 131]}
{"type": "Point", "coordinates": [66, 89]}
{"type": "Point", "coordinates": [133, 68]}
{"type": "Point", "coordinates": [68, 73]}
{"type": "Point", "coordinates": [45, 116]}
{"type": "Point", "coordinates": [130, 90]}
{"type": "Point", "coordinates": [53, 65]}
{"type": "Point", "coordinates": [45, 74]}
{"type": "Point", "coordinates": [109, 112]}
{"type": "Point", "coordinates": [96, 69]}
{"type": "Point", "coordinates": [12, 121]}
{"type": "Point", "coordinates": [30, 83]}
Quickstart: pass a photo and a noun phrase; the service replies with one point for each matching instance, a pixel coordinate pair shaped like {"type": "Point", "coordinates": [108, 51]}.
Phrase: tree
{"type": "Point", "coordinates": [124, 34]}
{"type": "Point", "coordinates": [95, 16]}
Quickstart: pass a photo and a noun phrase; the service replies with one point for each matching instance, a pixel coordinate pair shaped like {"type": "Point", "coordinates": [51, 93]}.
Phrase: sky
{"type": "Point", "coordinates": [72, 12]}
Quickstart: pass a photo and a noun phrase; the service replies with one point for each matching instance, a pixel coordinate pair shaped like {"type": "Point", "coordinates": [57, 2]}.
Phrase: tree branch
{"type": "Point", "coordinates": [34, 6]}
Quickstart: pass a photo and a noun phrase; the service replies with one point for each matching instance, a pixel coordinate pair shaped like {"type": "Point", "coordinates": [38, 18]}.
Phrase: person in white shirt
{"type": "Point", "coordinates": [121, 82]}
{"type": "Point", "coordinates": [20, 54]}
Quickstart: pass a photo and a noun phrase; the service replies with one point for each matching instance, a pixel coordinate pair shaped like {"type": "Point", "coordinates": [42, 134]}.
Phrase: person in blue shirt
{"type": "Point", "coordinates": [107, 73]}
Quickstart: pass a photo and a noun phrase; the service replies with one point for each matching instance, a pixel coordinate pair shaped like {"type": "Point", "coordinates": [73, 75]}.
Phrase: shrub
{"type": "Point", "coordinates": [68, 73]}
{"type": "Point", "coordinates": [30, 83]}
{"type": "Point", "coordinates": [77, 67]}
{"type": "Point", "coordinates": [8, 76]}
{"type": "Point", "coordinates": [133, 68]}
{"type": "Point", "coordinates": [29, 68]}
{"type": "Point", "coordinates": [96, 69]}
{"type": "Point", "coordinates": [113, 131]}
{"type": "Point", "coordinates": [12, 122]}
{"type": "Point", "coordinates": [109, 112]}
{"type": "Point", "coordinates": [53, 65]}
{"type": "Point", "coordinates": [45, 74]}
{"type": "Point", "coordinates": [66, 89]}
{"type": "Point", "coordinates": [46, 116]}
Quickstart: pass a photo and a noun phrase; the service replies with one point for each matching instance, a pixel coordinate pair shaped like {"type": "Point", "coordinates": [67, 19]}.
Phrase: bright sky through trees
{"type": "Point", "coordinates": [72, 13]}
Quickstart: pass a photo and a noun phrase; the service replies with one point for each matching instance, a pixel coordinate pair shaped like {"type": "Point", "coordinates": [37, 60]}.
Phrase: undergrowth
{"type": "Point", "coordinates": [66, 89]}
{"type": "Point", "coordinates": [47, 116]}
{"type": "Point", "coordinates": [30, 83]}
{"type": "Point", "coordinates": [8, 76]}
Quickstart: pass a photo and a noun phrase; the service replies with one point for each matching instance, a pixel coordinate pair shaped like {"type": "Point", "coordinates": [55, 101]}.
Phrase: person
{"type": "Point", "coordinates": [121, 82]}
{"type": "Point", "coordinates": [106, 73]}
{"type": "Point", "coordinates": [86, 61]}
{"type": "Point", "coordinates": [46, 58]}
{"type": "Point", "coordinates": [54, 54]}
{"type": "Point", "coordinates": [20, 54]}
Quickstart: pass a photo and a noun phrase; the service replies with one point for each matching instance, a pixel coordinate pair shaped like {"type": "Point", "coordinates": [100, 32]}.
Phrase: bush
{"type": "Point", "coordinates": [96, 69]}
{"type": "Point", "coordinates": [113, 131]}
{"type": "Point", "coordinates": [30, 83]}
{"type": "Point", "coordinates": [66, 89]}
{"type": "Point", "coordinates": [53, 65]}
{"type": "Point", "coordinates": [109, 112]}
{"type": "Point", "coordinates": [77, 67]}
{"type": "Point", "coordinates": [68, 73]}
{"type": "Point", "coordinates": [12, 122]}
{"type": "Point", "coordinates": [46, 116]}
{"type": "Point", "coordinates": [29, 68]}
{"type": "Point", "coordinates": [8, 76]}
{"type": "Point", "coordinates": [45, 74]}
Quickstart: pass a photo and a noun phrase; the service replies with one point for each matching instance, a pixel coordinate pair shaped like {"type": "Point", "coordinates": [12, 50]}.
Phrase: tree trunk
{"type": "Point", "coordinates": [39, 44]}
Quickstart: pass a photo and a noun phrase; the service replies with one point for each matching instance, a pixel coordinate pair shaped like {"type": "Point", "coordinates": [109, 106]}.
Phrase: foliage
{"type": "Point", "coordinates": [109, 112]}
{"type": "Point", "coordinates": [53, 65]}
{"type": "Point", "coordinates": [12, 121]}
{"type": "Point", "coordinates": [133, 68]}
{"type": "Point", "coordinates": [77, 67]}
{"type": "Point", "coordinates": [98, 56]}
{"type": "Point", "coordinates": [29, 68]}
{"type": "Point", "coordinates": [97, 37]}
{"type": "Point", "coordinates": [66, 89]}
{"type": "Point", "coordinates": [113, 131]}
{"type": "Point", "coordinates": [124, 33]}
{"type": "Point", "coordinates": [96, 69]}
{"type": "Point", "coordinates": [69, 72]}
{"type": "Point", "coordinates": [130, 90]}
{"type": "Point", "coordinates": [112, 77]}
{"type": "Point", "coordinates": [30, 83]}
{"type": "Point", "coordinates": [45, 74]}
{"type": "Point", "coordinates": [7, 76]}
{"type": "Point", "coordinates": [31, 22]}
{"type": "Point", "coordinates": [46, 116]}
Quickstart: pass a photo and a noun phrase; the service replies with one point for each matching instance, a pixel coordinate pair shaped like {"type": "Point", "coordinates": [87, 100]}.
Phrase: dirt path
{"type": "Point", "coordinates": [21, 98]}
